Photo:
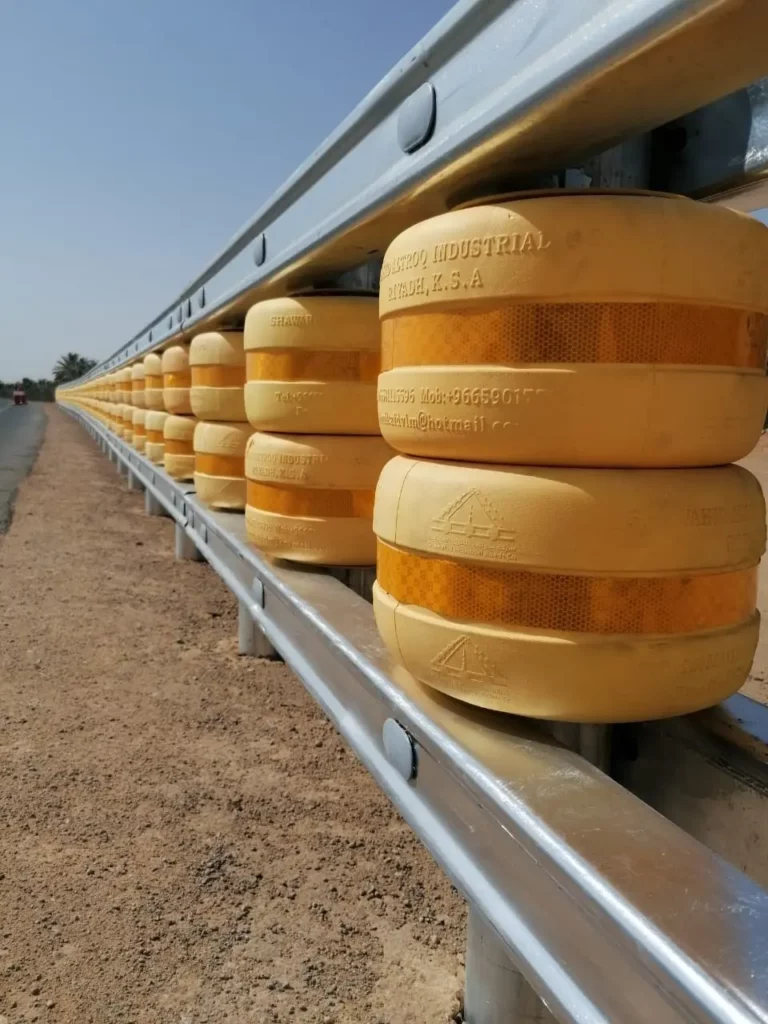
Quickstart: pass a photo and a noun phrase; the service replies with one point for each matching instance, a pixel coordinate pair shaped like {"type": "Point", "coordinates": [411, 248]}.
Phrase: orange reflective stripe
{"type": "Point", "coordinates": [310, 501]}
{"type": "Point", "coordinates": [155, 436]}
{"type": "Point", "coordinates": [298, 364]}
{"type": "Point", "coordinates": [588, 332]}
{"type": "Point", "coordinates": [220, 465]}
{"type": "Point", "coordinates": [588, 604]}
{"type": "Point", "coordinates": [218, 376]}
{"type": "Point", "coordinates": [153, 381]}
{"type": "Point", "coordinates": [177, 380]}
{"type": "Point", "coordinates": [139, 431]}
{"type": "Point", "coordinates": [138, 385]}
{"type": "Point", "coordinates": [174, 447]}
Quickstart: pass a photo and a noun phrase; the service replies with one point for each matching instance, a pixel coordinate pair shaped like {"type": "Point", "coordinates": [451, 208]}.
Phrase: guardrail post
{"type": "Point", "coordinates": [495, 992]}
{"type": "Point", "coordinates": [152, 506]}
{"type": "Point", "coordinates": [250, 639]}
{"type": "Point", "coordinates": [185, 547]}
{"type": "Point", "coordinates": [133, 481]}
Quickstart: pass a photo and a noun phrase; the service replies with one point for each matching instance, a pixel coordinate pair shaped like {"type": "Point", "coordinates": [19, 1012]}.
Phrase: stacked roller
{"type": "Point", "coordinates": [312, 466]}
{"type": "Point", "coordinates": [153, 382]}
{"type": "Point", "coordinates": [179, 426]}
{"type": "Point", "coordinates": [621, 341]}
{"type": "Point", "coordinates": [110, 384]}
{"type": "Point", "coordinates": [127, 417]}
{"type": "Point", "coordinates": [154, 446]}
{"type": "Point", "coordinates": [138, 429]}
{"type": "Point", "coordinates": [217, 365]}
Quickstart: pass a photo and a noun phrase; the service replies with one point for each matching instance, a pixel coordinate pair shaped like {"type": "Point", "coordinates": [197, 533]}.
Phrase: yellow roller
{"type": "Point", "coordinates": [310, 497]}
{"type": "Point", "coordinates": [176, 380]}
{"type": "Point", "coordinates": [574, 594]}
{"type": "Point", "coordinates": [593, 330]}
{"type": "Point", "coordinates": [139, 429]}
{"type": "Point", "coordinates": [137, 385]}
{"type": "Point", "coordinates": [155, 443]}
{"type": "Point", "coordinates": [128, 423]}
{"type": "Point", "coordinates": [125, 385]}
{"type": "Point", "coordinates": [312, 365]}
{"type": "Point", "coordinates": [220, 463]}
{"type": "Point", "coordinates": [153, 382]}
{"type": "Point", "coordinates": [217, 364]}
{"type": "Point", "coordinates": [178, 449]}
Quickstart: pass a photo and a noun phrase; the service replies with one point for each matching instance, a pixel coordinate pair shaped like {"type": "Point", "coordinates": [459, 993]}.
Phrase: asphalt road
{"type": "Point", "coordinates": [21, 433]}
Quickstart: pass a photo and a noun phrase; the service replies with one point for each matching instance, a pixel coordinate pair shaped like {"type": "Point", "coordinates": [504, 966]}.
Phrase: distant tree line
{"type": "Point", "coordinates": [68, 367]}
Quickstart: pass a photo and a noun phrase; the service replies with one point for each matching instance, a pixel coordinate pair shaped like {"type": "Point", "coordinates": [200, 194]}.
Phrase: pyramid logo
{"type": "Point", "coordinates": [472, 515]}
{"type": "Point", "coordinates": [463, 659]}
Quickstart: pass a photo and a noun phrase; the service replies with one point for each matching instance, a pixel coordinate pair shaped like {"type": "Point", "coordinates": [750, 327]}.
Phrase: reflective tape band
{"type": "Point", "coordinates": [138, 384]}
{"type": "Point", "coordinates": [220, 465]}
{"type": "Point", "coordinates": [152, 381]}
{"type": "Point", "coordinates": [303, 364]}
{"type": "Point", "coordinates": [127, 385]}
{"type": "Point", "coordinates": [139, 431]}
{"type": "Point", "coordinates": [588, 332]}
{"type": "Point", "coordinates": [310, 501]}
{"type": "Point", "coordinates": [155, 436]}
{"type": "Point", "coordinates": [177, 380]}
{"type": "Point", "coordinates": [218, 376]}
{"type": "Point", "coordinates": [586, 604]}
{"type": "Point", "coordinates": [174, 447]}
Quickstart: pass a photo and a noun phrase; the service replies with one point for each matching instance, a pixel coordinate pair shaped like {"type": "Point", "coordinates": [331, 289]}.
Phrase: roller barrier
{"type": "Point", "coordinates": [500, 489]}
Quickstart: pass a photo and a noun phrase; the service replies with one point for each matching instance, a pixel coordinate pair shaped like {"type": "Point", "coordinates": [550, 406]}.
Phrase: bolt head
{"type": "Point", "coordinates": [400, 749]}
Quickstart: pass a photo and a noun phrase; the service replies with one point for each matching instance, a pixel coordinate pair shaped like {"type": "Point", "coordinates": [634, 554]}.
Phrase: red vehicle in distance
{"type": "Point", "coordinates": [19, 395]}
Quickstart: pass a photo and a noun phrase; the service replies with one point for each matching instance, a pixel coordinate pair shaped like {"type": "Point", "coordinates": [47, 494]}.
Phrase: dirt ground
{"type": "Point", "coordinates": [183, 837]}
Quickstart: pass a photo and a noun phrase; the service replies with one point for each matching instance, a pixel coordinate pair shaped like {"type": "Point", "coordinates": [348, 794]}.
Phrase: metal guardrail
{"type": "Point", "coordinates": [611, 913]}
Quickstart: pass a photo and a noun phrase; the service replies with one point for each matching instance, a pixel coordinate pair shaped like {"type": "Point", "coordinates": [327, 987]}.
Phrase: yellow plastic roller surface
{"type": "Point", "coordinates": [312, 364]}
{"type": "Point", "coordinates": [594, 330]}
{"type": "Point", "coordinates": [153, 382]}
{"type": "Point", "coordinates": [154, 447]}
{"type": "Point", "coordinates": [573, 594]}
{"type": "Point", "coordinates": [176, 380]}
{"type": "Point", "coordinates": [137, 385]}
{"type": "Point", "coordinates": [220, 463]}
{"type": "Point", "coordinates": [310, 497]}
{"type": "Point", "coordinates": [128, 423]}
{"type": "Point", "coordinates": [139, 429]}
{"type": "Point", "coordinates": [125, 385]}
{"type": "Point", "coordinates": [217, 366]}
{"type": "Point", "coordinates": [178, 448]}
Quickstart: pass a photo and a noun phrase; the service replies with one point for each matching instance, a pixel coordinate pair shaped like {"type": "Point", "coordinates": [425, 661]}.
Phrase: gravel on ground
{"type": "Point", "coordinates": [183, 836]}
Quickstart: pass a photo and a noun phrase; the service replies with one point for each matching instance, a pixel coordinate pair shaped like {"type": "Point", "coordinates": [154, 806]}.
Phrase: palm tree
{"type": "Point", "coordinates": [71, 366]}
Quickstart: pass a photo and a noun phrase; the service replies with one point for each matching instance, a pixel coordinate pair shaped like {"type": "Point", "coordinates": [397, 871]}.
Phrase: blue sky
{"type": "Point", "coordinates": [138, 135]}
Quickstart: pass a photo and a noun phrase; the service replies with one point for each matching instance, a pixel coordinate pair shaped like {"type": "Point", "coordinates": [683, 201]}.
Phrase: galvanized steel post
{"type": "Point", "coordinates": [495, 992]}
{"type": "Point", "coordinates": [185, 548]}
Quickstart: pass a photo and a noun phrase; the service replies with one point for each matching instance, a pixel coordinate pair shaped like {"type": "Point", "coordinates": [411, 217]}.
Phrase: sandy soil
{"type": "Point", "coordinates": [183, 837]}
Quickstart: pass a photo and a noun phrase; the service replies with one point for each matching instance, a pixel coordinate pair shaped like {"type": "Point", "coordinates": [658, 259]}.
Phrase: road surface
{"type": "Point", "coordinates": [21, 433]}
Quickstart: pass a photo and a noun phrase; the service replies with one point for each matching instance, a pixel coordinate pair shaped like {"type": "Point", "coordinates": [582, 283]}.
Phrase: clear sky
{"type": "Point", "coordinates": [136, 137]}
